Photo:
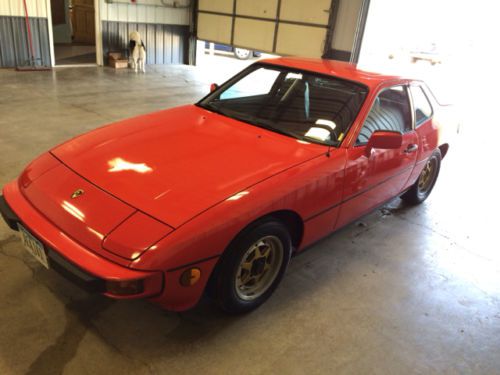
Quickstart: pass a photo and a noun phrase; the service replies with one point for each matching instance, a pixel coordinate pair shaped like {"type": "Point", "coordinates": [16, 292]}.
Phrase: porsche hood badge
{"type": "Point", "coordinates": [77, 193]}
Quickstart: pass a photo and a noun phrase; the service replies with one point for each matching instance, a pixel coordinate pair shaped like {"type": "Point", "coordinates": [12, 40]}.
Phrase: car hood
{"type": "Point", "coordinates": [174, 164]}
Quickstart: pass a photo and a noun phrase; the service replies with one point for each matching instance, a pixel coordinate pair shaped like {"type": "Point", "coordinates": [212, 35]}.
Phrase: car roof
{"type": "Point", "coordinates": [335, 68]}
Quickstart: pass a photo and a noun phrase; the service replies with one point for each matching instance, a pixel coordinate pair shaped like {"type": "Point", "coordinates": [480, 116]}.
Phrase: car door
{"type": "Point", "coordinates": [423, 113]}
{"type": "Point", "coordinates": [374, 178]}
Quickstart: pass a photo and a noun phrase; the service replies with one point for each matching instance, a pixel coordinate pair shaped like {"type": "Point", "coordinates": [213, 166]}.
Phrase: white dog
{"type": "Point", "coordinates": [137, 52]}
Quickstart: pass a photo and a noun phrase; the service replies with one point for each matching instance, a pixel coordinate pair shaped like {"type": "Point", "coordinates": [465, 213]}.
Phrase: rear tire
{"type": "Point", "coordinates": [242, 54]}
{"type": "Point", "coordinates": [422, 188]}
{"type": "Point", "coordinates": [252, 267]}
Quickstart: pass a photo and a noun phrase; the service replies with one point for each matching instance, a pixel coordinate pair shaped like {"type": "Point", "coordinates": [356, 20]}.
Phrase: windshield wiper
{"type": "Point", "coordinates": [325, 143]}
{"type": "Point", "coordinates": [297, 136]}
{"type": "Point", "coordinates": [264, 124]}
{"type": "Point", "coordinates": [280, 131]}
{"type": "Point", "coordinates": [212, 107]}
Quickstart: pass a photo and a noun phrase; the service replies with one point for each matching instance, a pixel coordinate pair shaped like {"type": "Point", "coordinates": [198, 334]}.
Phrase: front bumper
{"type": "Point", "coordinates": [73, 261]}
{"type": "Point", "coordinates": [8, 215]}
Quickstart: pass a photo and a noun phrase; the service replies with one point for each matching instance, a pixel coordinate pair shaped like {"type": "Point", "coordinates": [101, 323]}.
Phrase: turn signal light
{"type": "Point", "coordinates": [190, 277]}
{"type": "Point", "coordinates": [124, 287]}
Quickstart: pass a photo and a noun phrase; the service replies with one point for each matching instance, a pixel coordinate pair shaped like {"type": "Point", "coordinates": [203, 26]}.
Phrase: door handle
{"type": "Point", "coordinates": [412, 147]}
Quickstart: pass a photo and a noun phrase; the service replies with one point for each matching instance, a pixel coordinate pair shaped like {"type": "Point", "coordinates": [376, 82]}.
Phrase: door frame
{"type": "Point", "coordinates": [98, 37]}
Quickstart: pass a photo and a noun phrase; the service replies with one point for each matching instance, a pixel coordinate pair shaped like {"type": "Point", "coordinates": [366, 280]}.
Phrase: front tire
{"type": "Point", "coordinates": [252, 267]}
{"type": "Point", "coordinates": [422, 188]}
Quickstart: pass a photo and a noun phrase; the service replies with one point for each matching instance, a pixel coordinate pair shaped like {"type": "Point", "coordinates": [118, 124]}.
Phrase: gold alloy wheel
{"type": "Point", "coordinates": [427, 176]}
{"type": "Point", "coordinates": [259, 267]}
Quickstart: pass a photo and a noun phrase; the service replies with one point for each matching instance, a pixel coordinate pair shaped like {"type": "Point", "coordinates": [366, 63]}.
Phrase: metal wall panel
{"type": "Point", "coordinates": [221, 6]}
{"type": "Point", "coordinates": [36, 8]}
{"type": "Point", "coordinates": [310, 39]}
{"type": "Point", "coordinates": [14, 45]}
{"type": "Point", "coordinates": [345, 28]}
{"type": "Point", "coordinates": [215, 28]}
{"type": "Point", "coordinates": [315, 12]}
{"type": "Point", "coordinates": [153, 13]}
{"type": "Point", "coordinates": [165, 44]}
{"type": "Point", "coordinates": [257, 8]}
{"type": "Point", "coordinates": [254, 34]}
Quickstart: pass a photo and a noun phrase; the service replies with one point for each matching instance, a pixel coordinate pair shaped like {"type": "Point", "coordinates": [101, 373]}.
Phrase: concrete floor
{"type": "Point", "coordinates": [74, 54]}
{"type": "Point", "coordinates": [404, 290]}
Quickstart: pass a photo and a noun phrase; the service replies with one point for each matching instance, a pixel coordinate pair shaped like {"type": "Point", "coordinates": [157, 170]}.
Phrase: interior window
{"type": "Point", "coordinates": [259, 83]}
{"type": "Point", "coordinates": [423, 109]}
{"type": "Point", "coordinates": [390, 112]}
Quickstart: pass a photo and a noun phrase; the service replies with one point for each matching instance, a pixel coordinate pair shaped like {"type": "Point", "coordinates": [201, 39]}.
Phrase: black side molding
{"type": "Point", "coordinates": [8, 215]}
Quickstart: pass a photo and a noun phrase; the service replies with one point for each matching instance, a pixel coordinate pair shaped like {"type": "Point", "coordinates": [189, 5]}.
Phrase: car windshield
{"type": "Point", "coordinates": [303, 105]}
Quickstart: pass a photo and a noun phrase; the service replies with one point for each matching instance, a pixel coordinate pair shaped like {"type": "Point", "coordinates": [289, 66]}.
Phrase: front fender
{"type": "Point", "coordinates": [305, 189]}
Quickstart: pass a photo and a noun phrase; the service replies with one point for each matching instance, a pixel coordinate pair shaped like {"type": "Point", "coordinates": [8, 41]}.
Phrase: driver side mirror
{"type": "Point", "coordinates": [213, 87]}
{"type": "Point", "coordinates": [384, 140]}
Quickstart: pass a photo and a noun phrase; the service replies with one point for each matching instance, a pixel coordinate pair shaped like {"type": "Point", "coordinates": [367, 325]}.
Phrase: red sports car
{"type": "Point", "coordinates": [216, 197]}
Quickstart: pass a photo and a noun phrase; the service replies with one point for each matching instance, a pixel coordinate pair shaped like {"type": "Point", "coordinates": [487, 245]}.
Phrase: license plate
{"type": "Point", "coordinates": [33, 246]}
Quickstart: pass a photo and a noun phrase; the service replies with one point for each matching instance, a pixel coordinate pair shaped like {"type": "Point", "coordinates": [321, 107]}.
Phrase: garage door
{"type": "Point", "coordinates": [284, 27]}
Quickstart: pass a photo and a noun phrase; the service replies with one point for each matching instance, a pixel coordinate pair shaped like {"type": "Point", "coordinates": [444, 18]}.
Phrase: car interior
{"type": "Point", "coordinates": [299, 102]}
{"type": "Point", "coordinates": [390, 112]}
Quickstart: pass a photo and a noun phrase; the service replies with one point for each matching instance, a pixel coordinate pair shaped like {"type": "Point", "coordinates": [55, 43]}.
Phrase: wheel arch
{"type": "Point", "coordinates": [292, 221]}
{"type": "Point", "coordinates": [290, 218]}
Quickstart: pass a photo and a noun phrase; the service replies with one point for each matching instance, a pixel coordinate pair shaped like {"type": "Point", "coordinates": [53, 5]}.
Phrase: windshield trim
{"type": "Point", "coordinates": [257, 65]}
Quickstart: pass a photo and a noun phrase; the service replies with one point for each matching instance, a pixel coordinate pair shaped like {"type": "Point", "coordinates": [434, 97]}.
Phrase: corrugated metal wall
{"type": "Point", "coordinates": [139, 13]}
{"type": "Point", "coordinates": [36, 8]}
{"type": "Point", "coordinates": [165, 31]}
{"type": "Point", "coordinates": [14, 45]}
{"type": "Point", "coordinates": [165, 44]}
{"type": "Point", "coordinates": [347, 28]}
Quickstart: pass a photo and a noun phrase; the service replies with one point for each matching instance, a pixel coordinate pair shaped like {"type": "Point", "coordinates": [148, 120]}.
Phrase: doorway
{"type": "Point", "coordinates": [74, 31]}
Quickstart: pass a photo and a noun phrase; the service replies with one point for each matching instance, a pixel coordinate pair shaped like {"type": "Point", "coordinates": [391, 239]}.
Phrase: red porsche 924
{"type": "Point", "coordinates": [217, 196]}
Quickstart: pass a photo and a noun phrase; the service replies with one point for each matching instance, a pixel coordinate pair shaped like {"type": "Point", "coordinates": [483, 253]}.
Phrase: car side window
{"type": "Point", "coordinates": [390, 112]}
{"type": "Point", "coordinates": [423, 108]}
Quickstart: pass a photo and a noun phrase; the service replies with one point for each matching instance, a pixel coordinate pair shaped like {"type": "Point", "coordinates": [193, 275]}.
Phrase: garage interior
{"type": "Point", "coordinates": [402, 290]}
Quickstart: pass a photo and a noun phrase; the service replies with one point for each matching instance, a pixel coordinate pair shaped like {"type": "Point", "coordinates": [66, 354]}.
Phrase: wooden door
{"type": "Point", "coordinates": [83, 21]}
{"type": "Point", "coordinates": [58, 12]}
